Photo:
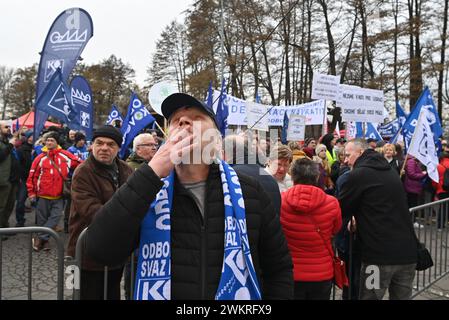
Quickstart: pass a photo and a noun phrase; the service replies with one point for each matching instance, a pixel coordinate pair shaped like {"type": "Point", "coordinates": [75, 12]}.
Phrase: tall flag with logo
{"type": "Point", "coordinates": [222, 111]}
{"type": "Point", "coordinates": [422, 146]}
{"type": "Point", "coordinates": [370, 132]}
{"type": "Point", "coordinates": [55, 100]}
{"type": "Point", "coordinates": [389, 129]}
{"type": "Point", "coordinates": [65, 41]}
{"type": "Point", "coordinates": [114, 115]}
{"type": "Point", "coordinates": [82, 100]}
{"type": "Point", "coordinates": [137, 118]}
{"type": "Point", "coordinates": [284, 128]}
{"type": "Point", "coordinates": [425, 101]}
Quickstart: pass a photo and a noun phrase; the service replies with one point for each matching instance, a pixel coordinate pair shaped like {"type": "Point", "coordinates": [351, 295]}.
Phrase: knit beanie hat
{"type": "Point", "coordinates": [109, 132]}
{"type": "Point", "coordinates": [54, 135]}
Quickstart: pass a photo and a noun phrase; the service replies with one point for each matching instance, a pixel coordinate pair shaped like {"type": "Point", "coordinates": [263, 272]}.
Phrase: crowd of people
{"type": "Point", "coordinates": [287, 209]}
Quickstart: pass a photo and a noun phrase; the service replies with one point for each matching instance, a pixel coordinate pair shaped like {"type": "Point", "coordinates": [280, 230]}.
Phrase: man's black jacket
{"type": "Point", "coordinates": [197, 243]}
{"type": "Point", "coordinates": [374, 195]}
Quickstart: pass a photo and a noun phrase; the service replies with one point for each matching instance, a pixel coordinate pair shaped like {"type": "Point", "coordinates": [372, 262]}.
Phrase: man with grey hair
{"type": "Point", "coordinates": [374, 196]}
{"type": "Point", "coordinates": [242, 157]}
{"type": "Point", "coordinates": [144, 149]}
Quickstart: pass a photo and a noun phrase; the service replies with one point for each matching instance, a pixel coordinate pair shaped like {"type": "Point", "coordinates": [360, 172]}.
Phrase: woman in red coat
{"type": "Point", "coordinates": [306, 212]}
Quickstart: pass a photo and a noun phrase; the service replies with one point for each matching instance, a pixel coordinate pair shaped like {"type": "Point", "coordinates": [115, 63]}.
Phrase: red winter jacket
{"type": "Point", "coordinates": [311, 258]}
{"type": "Point", "coordinates": [444, 164]}
{"type": "Point", "coordinates": [44, 180]}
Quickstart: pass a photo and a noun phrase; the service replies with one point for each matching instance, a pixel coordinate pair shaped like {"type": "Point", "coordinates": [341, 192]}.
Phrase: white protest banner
{"type": "Point", "coordinates": [257, 116]}
{"type": "Point", "coordinates": [325, 86]}
{"type": "Point", "coordinates": [296, 128]}
{"type": "Point", "coordinates": [362, 105]}
{"type": "Point", "coordinates": [312, 111]}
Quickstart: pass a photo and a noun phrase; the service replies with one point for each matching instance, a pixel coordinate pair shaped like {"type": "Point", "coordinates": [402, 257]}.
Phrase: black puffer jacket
{"type": "Point", "coordinates": [197, 243]}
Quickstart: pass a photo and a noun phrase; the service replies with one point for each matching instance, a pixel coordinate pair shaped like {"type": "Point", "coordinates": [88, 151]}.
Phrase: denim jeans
{"type": "Point", "coordinates": [376, 279]}
{"type": "Point", "coordinates": [22, 195]}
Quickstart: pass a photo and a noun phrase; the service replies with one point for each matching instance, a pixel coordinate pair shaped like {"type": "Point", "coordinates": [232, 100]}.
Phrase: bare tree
{"type": "Point", "coordinates": [6, 76]}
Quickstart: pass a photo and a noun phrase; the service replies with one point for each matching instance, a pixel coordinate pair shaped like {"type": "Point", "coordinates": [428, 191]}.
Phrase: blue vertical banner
{"type": "Point", "coordinates": [65, 41]}
{"type": "Point", "coordinates": [55, 100]}
{"type": "Point", "coordinates": [370, 131]}
{"type": "Point", "coordinates": [82, 100]}
{"type": "Point", "coordinates": [137, 118]}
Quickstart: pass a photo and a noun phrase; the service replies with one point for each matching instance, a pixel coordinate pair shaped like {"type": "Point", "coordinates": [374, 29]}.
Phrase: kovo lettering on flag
{"type": "Point", "coordinates": [325, 87]}
{"type": "Point", "coordinates": [257, 115]}
{"type": "Point", "coordinates": [363, 105]}
{"type": "Point", "coordinates": [296, 128]}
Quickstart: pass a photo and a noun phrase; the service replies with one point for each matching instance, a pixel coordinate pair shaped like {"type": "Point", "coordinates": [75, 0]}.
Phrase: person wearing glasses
{"type": "Point", "coordinates": [144, 149]}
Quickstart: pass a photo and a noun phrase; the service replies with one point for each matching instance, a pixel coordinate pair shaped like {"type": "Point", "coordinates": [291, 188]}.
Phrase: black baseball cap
{"type": "Point", "coordinates": [176, 101]}
{"type": "Point", "coordinates": [371, 140]}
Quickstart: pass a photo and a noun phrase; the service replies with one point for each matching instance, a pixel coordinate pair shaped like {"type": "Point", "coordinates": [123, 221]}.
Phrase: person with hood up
{"type": "Point", "coordinates": [310, 218]}
{"type": "Point", "coordinates": [329, 141]}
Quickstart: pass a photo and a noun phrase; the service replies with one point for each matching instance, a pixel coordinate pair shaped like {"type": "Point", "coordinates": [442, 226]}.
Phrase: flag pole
{"type": "Point", "coordinates": [411, 144]}
{"type": "Point", "coordinates": [324, 119]}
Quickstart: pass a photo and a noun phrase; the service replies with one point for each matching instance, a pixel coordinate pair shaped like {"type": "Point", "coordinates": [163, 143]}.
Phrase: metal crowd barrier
{"type": "Point", "coordinates": [433, 232]}
{"type": "Point", "coordinates": [78, 262]}
{"type": "Point", "coordinates": [60, 257]}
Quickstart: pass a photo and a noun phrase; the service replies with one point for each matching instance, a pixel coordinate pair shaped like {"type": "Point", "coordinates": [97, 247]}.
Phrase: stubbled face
{"type": "Point", "coordinates": [5, 130]}
{"type": "Point", "coordinates": [279, 168]}
{"type": "Point", "coordinates": [105, 150]}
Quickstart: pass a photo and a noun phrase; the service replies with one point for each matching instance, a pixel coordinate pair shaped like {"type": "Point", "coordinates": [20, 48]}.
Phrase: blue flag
{"type": "Point", "coordinates": [210, 96]}
{"type": "Point", "coordinates": [371, 131]}
{"type": "Point", "coordinates": [425, 101]}
{"type": "Point", "coordinates": [17, 124]}
{"type": "Point", "coordinates": [82, 100]}
{"type": "Point", "coordinates": [389, 129]}
{"type": "Point", "coordinates": [137, 118]}
{"type": "Point", "coordinates": [400, 114]}
{"type": "Point", "coordinates": [114, 115]}
{"type": "Point", "coordinates": [222, 111]}
{"type": "Point", "coordinates": [66, 39]}
{"type": "Point", "coordinates": [284, 128]}
{"type": "Point", "coordinates": [55, 101]}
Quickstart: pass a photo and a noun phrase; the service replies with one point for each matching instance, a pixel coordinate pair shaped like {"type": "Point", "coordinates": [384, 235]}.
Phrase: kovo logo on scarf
{"type": "Point", "coordinates": [72, 22]}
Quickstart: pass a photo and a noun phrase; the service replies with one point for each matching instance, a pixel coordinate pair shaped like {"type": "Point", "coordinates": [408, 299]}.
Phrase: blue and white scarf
{"type": "Point", "coordinates": [238, 279]}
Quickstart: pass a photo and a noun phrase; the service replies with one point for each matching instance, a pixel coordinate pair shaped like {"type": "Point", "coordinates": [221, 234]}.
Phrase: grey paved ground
{"type": "Point", "coordinates": [44, 268]}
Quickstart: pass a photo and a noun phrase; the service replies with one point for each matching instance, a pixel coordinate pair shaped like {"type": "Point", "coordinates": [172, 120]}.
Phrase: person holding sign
{"type": "Point", "coordinates": [203, 231]}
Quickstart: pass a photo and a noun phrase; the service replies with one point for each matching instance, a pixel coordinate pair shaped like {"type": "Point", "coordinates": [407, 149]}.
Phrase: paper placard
{"type": "Point", "coordinates": [296, 128]}
{"type": "Point", "coordinates": [361, 105]}
{"type": "Point", "coordinates": [257, 116]}
{"type": "Point", "coordinates": [325, 87]}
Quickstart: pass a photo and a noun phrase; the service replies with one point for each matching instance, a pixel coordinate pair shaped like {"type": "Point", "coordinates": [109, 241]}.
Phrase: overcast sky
{"type": "Point", "coordinates": [127, 28]}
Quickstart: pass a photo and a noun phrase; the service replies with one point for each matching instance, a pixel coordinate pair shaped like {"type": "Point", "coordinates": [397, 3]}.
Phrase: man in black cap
{"type": "Point", "coordinates": [94, 182]}
{"type": "Point", "coordinates": [189, 244]}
